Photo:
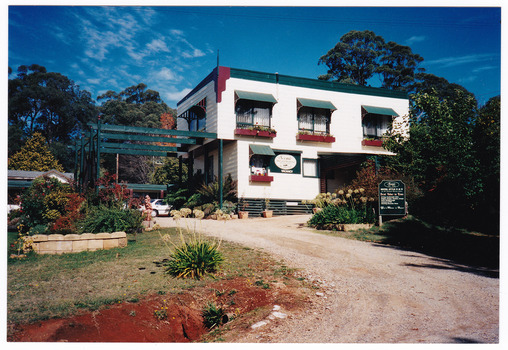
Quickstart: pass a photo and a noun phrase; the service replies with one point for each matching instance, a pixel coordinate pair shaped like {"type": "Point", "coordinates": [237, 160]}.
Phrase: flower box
{"type": "Point", "coordinates": [375, 143]}
{"type": "Point", "coordinates": [260, 133]}
{"type": "Point", "coordinates": [260, 178]}
{"type": "Point", "coordinates": [315, 138]}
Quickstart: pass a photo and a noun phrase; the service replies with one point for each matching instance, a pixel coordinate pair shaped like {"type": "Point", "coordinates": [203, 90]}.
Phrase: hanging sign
{"type": "Point", "coordinates": [392, 197]}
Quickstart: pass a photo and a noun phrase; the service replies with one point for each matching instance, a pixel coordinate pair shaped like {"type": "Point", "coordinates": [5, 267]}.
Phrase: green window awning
{"type": "Point", "coordinates": [262, 150]}
{"type": "Point", "coordinates": [255, 96]}
{"type": "Point", "coordinates": [306, 102]}
{"type": "Point", "coordinates": [380, 110]}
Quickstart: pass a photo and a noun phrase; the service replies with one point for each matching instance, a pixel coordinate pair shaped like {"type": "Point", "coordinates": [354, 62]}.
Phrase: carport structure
{"type": "Point", "coordinates": [120, 139]}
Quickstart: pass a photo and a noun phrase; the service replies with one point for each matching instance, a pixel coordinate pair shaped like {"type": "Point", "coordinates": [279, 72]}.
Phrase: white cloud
{"type": "Point", "coordinates": [448, 62]}
{"type": "Point", "coordinates": [175, 95]}
{"type": "Point", "coordinates": [166, 74]}
{"type": "Point", "coordinates": [157, 45]}
{"type": "Point", "coordinates": [415, 39]}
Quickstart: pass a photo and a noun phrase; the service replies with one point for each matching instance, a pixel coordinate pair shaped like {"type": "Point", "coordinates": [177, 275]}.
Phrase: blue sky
{"type": "Point", "coordinates": [172, 48]}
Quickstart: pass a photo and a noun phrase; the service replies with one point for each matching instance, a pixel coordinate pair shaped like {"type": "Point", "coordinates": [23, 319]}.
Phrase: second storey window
{"type": "Point", "coordinates": [253, 109]}
{"type": "Point", "coordinates": [314, 120]}
{"type": "Point", "coordinates": [314, 116]}
{"type": "Point", "coordinates": [252, 113]}
{"type": "Point", "coordinates": [376, 121]}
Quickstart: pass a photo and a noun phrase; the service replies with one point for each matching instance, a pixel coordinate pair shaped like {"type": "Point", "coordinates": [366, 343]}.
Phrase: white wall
{"type": "Point", "coordinates": [346, 126]}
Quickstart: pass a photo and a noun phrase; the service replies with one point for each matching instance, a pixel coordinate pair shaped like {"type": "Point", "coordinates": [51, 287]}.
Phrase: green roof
{"type": "Point", "coordinates": [262, 150]}
{"type": "Point", "coordinates": [315, 83]}
{"type": "Point", "coordinates": [255, 96]}
{"type": "Point", "coordinates": [380, 110]}
{"type": "Point", "coordinates": [305, 102]}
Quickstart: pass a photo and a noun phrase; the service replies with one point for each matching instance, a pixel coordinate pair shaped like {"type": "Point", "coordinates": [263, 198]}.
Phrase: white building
{"type": "Point", "coordinates": [286, 138]}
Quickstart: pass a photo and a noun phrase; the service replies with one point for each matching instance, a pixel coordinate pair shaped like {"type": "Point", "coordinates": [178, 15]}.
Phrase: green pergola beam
{"type": "Point", "coordinates": [152, 131]}
{"type": "Point", "coordinates": [126, 137]}
{"type": "Point", "coordinates": [135, 152]}
{"type": "Point", "coordinates": [139, 147]}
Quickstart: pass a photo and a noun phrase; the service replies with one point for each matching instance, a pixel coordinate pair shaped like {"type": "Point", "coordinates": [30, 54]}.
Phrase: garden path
{"type": "Point", "coordinates": [369, 293]}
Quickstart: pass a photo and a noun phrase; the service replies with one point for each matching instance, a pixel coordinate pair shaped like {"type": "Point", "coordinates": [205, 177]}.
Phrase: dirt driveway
{"type": "Point", "coordinates": [371, 293]}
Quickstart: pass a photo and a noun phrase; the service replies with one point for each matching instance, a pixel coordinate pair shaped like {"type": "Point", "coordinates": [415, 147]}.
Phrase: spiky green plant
{"type": "Point", "coordinates": [213, 316]}
{"type": "Point", "coordinates": [194, 259]}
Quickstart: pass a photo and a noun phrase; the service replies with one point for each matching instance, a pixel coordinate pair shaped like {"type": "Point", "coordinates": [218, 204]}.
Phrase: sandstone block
{"type": "Point", "coordinates": [110, 243]}
{"type": "Point", "coordinates": [94, 244]}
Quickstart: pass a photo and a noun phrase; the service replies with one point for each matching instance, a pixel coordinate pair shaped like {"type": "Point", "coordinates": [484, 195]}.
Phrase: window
{"type": "Point", "coordinates": [196, 116]}
{"type": "Point", "coordinates": [314, 120]}
{"type": "Point", "coordinates": [375, 125]}
{"type": "Point", "coordinates": [253, 113]}
{"type": "Point", "coordinates": [310, 168]}
{"type": "Point", "coordinates": [197, 122]}
{"type": "Point", "coordinates": [376, 121]}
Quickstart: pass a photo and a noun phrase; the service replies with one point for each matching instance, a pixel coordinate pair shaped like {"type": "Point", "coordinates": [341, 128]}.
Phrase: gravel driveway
{"type": "Point", "coordinates": [371, 293]}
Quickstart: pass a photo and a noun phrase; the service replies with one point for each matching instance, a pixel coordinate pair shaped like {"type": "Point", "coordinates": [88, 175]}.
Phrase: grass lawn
{"type": "Point", "coordinates": [459, 245]}
{"type": "Point", "coordinates": [48, 286]}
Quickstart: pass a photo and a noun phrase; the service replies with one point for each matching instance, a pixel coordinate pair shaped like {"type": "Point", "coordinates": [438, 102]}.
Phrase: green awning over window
{"type": "Point", "coordinates": [255, 96]}
{"type": "Point", "coordinates": [306, 102]}
{"type": "Point", "coordinates": [380, 110]}
{"type": "Point", "coordinates": [262, 150]}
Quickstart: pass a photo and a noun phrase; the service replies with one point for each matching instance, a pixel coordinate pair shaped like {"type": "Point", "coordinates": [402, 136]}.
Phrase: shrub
{"type": "Point", "coordinates": [213, 316]}
{"type": "Point", "coordinates": [104, 219]}
{"type": "Point", "coordinates": [194, 259]}
{"type": "Point", "coordinates": [333, 215]}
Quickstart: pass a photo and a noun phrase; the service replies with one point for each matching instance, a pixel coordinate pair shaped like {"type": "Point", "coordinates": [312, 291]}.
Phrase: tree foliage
{"type": "Point", "coordinates": [34, 156]}
{"type": "Point", "coordinates": [354, 59]}
{"type": "Point", "coordinates": [443, 156]}
{"type": "Point", "coordinates": [399, 66]}
{"type": "Point", "coordinates": [359, 56]}
{"type": "Point", "coordinates": [134, 106]}
{"type": "Point", "coordinates": [47, 102]}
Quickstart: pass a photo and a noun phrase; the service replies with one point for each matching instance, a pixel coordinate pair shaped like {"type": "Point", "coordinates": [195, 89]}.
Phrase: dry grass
{"type": "Point", "coordinates": [48, 286]}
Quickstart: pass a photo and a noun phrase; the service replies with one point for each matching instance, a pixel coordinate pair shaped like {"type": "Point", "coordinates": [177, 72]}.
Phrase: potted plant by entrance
{"type": "Point", "coordinates": [242, 214]}
{"type": "Point", "coordinates": [266, 212]}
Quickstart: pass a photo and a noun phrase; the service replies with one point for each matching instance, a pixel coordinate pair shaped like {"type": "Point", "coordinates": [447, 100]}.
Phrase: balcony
{"type": "Point", "coordinates": [315, 138]}
{"type": "Point", "coordinates": [255, 132]}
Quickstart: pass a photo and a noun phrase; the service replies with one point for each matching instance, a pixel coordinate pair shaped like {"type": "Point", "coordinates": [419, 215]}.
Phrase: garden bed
{"type": "Point", "coordinates": [59, 244]}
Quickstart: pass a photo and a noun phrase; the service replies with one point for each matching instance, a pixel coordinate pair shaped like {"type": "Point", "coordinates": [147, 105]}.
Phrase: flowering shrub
{"type": "Point", "coordinates": [43, 203]}
{"type": "Point", "coordinates": [67, 223]}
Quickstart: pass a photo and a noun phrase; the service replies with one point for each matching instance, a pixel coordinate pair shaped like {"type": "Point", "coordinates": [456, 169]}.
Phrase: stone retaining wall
{"type": "Point", "coordinates": [58, 244]}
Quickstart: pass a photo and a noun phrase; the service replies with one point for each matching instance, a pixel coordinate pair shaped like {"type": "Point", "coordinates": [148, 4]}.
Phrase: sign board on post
{"type": "Point", "coordinates": [392, 198]}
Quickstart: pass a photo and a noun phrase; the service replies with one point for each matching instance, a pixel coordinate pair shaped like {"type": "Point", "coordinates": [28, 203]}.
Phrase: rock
{"type": "Point", "coordinates": [259, 324]}
{"type": "Point", "coordinates": [279, 314]}
{"type": "Point", "coordinates": [276, 308]}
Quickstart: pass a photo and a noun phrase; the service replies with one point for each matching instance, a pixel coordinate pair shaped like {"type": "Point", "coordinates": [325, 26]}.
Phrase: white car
{"type": "Point", "coordinates": [159, 207]}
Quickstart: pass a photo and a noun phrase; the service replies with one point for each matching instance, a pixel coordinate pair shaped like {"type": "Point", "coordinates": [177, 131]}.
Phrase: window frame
{"type": "Point", "coordinates": [316, 161]}
{"type": "Point", "coordinates": [253, 103]}
{"type": "Point", "coordinates": [313, 110]}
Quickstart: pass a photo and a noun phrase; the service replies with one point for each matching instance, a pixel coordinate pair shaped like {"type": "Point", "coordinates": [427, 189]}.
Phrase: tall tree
{"type": "Point", "coordinates": [399, 66]}
{"type": "Point", "coordinates": [49, 103]}
{"type": "Point", "coordinates": [354, 59]}
{"type": "Point", "coordinates": [34, 156]}
{"type": "Point", "coordinates": [134, 106]}
{"type": "Point", "coordinates": [439, 154]}
{"type": "Point", "coordinates": [487, 138]}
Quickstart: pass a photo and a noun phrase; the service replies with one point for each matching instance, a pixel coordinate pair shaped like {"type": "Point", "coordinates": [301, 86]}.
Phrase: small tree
{"type": "Point", "coordinates": [34, 156]}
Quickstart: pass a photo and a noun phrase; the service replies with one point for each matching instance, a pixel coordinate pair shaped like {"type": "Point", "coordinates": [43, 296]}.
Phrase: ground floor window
{"type": "Point", "coordinates": [310, 168]}
{"type": "Point", "coordinates": [259, 165]}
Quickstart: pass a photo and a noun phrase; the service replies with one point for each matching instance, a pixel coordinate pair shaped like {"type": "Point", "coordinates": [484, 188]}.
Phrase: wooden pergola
{"type": "Point", "coordinates": [118, 139]}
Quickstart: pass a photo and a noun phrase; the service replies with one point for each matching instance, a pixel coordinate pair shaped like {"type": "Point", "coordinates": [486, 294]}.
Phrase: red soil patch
{"type": "Point", "coordinates": [136, 322]}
